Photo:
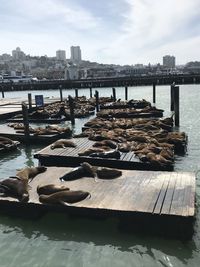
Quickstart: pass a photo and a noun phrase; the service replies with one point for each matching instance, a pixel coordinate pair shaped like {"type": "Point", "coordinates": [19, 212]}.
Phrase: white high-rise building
{"type": "Point", "coordinates": [75, 54]}
{"type": "Point", "coordinates": [61, 55]}
{"type": "Point", "coordinates": [169, 61]}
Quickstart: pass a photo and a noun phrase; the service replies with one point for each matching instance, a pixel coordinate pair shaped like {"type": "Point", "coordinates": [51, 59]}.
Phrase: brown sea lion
{"type": "Point", "coordinates": [106, 154]}
{"type": "Point", "coordinates": [62, 143]}
{"type": "Point", "coordinates": [15, 187]}
{"type": "Point", "coordinates": [108, 173]}
{"type": "Point", "coordinates": [109, 143]}
{"type": "Point", "coordinates": [89, 151]}
{"type": "Point", "coordinates": [50, 189]}
{"type": "Point", "coordinates": [84, 170]}
{"type": "Point", "coordinates": [30, 172]}
{"type": "Point", "coordinates": [64, 197]}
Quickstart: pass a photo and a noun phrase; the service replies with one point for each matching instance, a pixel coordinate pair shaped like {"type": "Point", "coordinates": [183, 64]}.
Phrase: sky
{"type": "Point", "coordinates": [107, 31]}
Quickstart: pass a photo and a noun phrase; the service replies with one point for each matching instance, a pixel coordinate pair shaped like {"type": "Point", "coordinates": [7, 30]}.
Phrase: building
{"type": "Point", "coordinates": [71, 72]}
{"type": "Point", "coordinates": [169, 61]}
{"type": "Point", "coordinates": [60, 55]}
{"type": "Point", "coordinates": [75, 54]}
{"type": "Point", "coordinates": [18, 54]}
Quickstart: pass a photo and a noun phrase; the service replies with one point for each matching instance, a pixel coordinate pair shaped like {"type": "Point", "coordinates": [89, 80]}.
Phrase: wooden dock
{"type": "Point", "coordinates": [66, 157]}
{"type": "Point", "coordinates": [9, 132]}
{"type": "Point", "coordinates": [150, 201]}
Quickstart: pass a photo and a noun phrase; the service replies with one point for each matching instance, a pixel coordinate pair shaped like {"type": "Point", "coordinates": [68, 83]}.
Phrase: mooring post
{"type": "Point", "coordinates": [26, 122]}
{"type": "Point", "coordinates": [176, 105]}
{"type": "Point", "coordinates": [29, 101]}
{"type": "Point", "coordinates": [114, 94]}
{"type": "Point", "coordinates": [126, 92]}
{"type": "Point", "coordinates": [154, 93]}
{"type": "Point", "coordinates": [71, 108]}
{"type": "Point", "coordinates": [61, 95]}
{"type": "Point", "coordinates": [90, 92]}
{"type": "Point", "coordinates": [2, 91]}
{"type": "Point", "coordinates": [172, 97]}
{"type": "Point", "coordinates": [76, 93]}
{"type": "Point", "coordinates": [97, 100]}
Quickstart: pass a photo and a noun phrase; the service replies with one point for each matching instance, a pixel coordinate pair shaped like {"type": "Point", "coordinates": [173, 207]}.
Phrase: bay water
{"type": "Point", "coordinates": [57, 240]}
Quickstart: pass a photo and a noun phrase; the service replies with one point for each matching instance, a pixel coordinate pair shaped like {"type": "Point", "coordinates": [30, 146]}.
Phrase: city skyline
{"type": "Point", "coordinates": [111, 32]}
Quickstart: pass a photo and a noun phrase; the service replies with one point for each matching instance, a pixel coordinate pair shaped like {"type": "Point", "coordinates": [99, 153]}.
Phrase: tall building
{"type": "Point", "coordinates": [169, 61]}
{"type": "Point", "coordinates": [18, 54]}
{"type": "Point", "coordinates": [75, 54]}
{"type": "Point", "coordinates": [61, 55]}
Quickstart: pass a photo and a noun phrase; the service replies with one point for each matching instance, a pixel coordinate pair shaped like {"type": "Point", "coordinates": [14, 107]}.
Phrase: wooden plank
{"type": "Point", "coordinates": [178, 196]}
{"type": "Point", "coordinates": [189, 196]}
{"type": "Point", "coordinates": [169, 194]}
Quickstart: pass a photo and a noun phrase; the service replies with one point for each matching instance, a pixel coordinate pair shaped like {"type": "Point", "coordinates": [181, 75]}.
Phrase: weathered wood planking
{"type": "Point", "coordinates": [69, 157]}
{"type": "Point", "coordinates": [134, 191]}
{"type": "Point", "coordinates": [150, 201]}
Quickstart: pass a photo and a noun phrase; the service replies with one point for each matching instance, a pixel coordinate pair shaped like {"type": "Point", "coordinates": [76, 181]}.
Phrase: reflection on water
{"type": "Point", "coordinates": [59, 240]}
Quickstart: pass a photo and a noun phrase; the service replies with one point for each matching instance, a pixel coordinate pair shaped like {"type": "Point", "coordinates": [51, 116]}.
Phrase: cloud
{"type": "Point", "coordinates": [114, 31]}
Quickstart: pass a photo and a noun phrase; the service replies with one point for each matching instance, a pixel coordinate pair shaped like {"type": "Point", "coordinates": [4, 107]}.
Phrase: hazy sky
{"type": "Point", "coordinates": [108, 31]}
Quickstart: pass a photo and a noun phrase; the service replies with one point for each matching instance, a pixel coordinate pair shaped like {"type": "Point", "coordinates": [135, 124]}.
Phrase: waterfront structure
{"type": "Point", "coordinates": [60, 55]}
{"type": "Point", "coordinates": [71, 72]}
{"type": "Point", "coordinates": [169, 61]}
{"type": "Point", "coordinates": [75, 54]}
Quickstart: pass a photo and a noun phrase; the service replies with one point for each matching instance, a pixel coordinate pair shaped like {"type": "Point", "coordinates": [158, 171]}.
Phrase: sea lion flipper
{"type": "Point", "coordinates": [64, 203]}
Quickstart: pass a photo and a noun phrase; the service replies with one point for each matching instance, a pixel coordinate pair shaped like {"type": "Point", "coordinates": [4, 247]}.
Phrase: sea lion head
{"type": "Point", "coordinates": [88, 168]}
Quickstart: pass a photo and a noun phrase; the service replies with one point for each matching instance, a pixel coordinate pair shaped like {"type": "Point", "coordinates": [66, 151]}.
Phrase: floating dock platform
{"type": "Point", "coordinates": [65, 157]}
{"type": "Point", "coordinates": [9, 132]}
{"type": "Point", "coordinates": [163, 202]}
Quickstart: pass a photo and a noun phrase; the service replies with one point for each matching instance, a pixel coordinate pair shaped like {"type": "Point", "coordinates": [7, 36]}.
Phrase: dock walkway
{"type": "Point", "coordinates": [152, 199]}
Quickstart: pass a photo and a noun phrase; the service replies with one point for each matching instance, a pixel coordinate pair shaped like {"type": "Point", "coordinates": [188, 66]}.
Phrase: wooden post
{"type": "Point", "coordinates": [97, 100]}
{"type": "Point", "coordinates": [114, 94]}
{"type": "Point", "coordinates": [26, 122]}
{"type": "Point", "coordinates": [172, 97]}
{"type": "Point", "coordinates": [126, 92]}
{"type": "Point", "coordinates": [29, 101]}
{"type": "Point", "coordinates": [2, 91]}
{"type": "Point", "coordinates": [176, 105]}
{"type": "Point", "coordinates": [76, 93]}
{"type": "Point", "coordinates": [61, 95]}
{"type": "Point", "coordinates": [154, 93]}
{"type": "Point", "coordinates": [90, 92]}
{"type": "Point", "coordinates": [71, 108]}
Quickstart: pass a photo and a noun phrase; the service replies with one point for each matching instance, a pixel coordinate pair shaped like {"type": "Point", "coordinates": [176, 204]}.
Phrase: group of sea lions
{"type": "Point", "coordinates": [151, 140]}
{"type": "Point", "coordinates": [18, 186]}
{"type": "Point", "coordinates": [132, 103]}
{"type": "Point", "coordinates": [130, 112]}
{"type": "Point", "coordinates": [87, 170]}
{"type": "Point", "coordinates": [48, 130]}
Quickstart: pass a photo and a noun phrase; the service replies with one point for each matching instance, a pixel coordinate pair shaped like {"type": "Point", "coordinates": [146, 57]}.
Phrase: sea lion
{"type": "Point", "coordinates": [108, 143]}
{"type": "Point", "coordinates": [107, 154]}
{"type": "Point", "coordinates": [108, 173]}
{"type": "Point", "coordinates": [15, 187]}
{"type": "Point", "coordinates": [50, 189]}
{"type": "Point", "coordinates": [64, 197]}
{"type": "Point", "coordinates": [30, 172]}
{"type": "Point", "coordinates": [63, 143]}
{"type": "Point", "coordinates": [85, 169]}
{"type": "Point", "coordinates": [89, 151]}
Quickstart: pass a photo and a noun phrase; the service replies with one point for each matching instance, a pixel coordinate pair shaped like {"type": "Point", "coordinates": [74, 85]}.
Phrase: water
{"type": "Point", "coordinates": [57, 240]}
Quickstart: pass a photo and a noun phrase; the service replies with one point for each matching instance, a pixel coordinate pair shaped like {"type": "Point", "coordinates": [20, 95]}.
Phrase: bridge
{"type": "Point", "coordinates": [103, 82]}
